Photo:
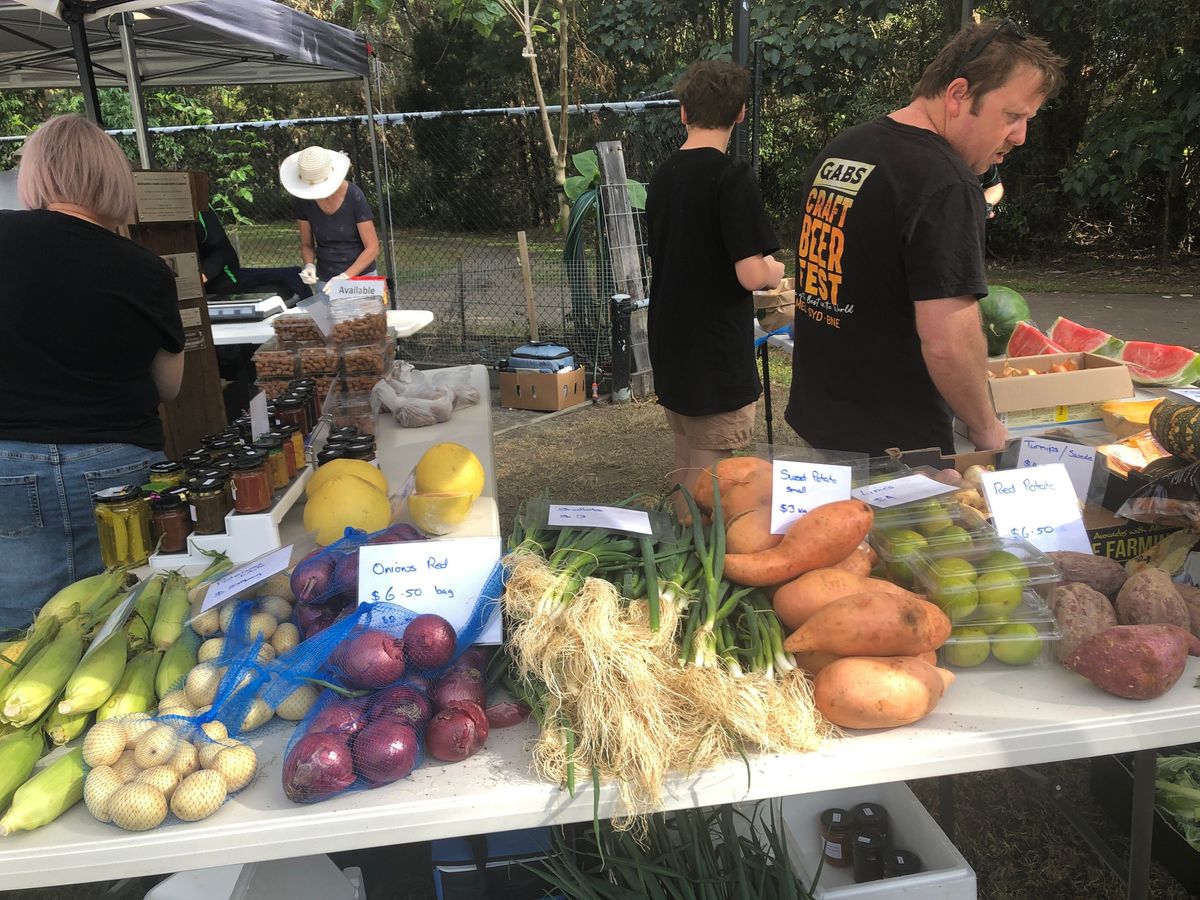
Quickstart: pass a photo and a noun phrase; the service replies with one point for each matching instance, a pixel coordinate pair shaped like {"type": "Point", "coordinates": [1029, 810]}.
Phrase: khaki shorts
{"type": "Point", "coordinates": [721, 431]}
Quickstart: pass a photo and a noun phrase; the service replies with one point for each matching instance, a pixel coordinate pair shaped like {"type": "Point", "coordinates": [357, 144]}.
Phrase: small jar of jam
{"type": "Point", "coordinates": [208, 502]}
{"type": "Point", "coordinates": [170, 522]}
{"type": "Point", "coordinates": [363, 448]}
{"type": "Point", "coordinates": [193, 459]}
{"type": "Point", "coordinates": [290, 411]}
{"type": "Point", "coordinates": [898, 863]}
{"type": "Point", "coordinates": [330, 453]}
{"type": "Point", "coordinates": [289, 451]}
{"type": "Point", "coordinates": [292, 434]}
{"type": "Point", "coordinates": [870, 818]}
{"type": "Point", "coordinates": [276, 465]}
{"type": "Point", "coordinates": [166, 475]}
{"type": "Point", "coordinates": [835, 837]}
{"type": "Point", "coordinates": [123, 525]}
{"type": "Point", "coordinates": [222, 445]}
{"type": "Point", "coordinates": [867, 850]}
{"type": "Point", "coordinates": [251, 483]}
{"type": "Point", "coordinates": [346, 431]}
{"type": "Point", "coordinates": [244, 426]}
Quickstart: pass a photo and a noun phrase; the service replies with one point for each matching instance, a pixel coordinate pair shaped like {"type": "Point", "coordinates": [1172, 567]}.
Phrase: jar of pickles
{"type": "Point", "coordinates": [251, 483]}
{"type": "Point", "coordinates": [272, 446]}
{"type": "Point", "coordinates": [289, 451]}
{"type": "Point", "coordinates": [166, 475]}
{"type": "Point", "coordinates": [123, 524]}
{"type": "Point", "coordinates": [207, 497]}
{"type": "Point", "coordinates": [170, 522]}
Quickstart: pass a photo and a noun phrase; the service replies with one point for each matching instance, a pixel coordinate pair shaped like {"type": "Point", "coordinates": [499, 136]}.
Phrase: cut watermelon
{"type": "Point", "coordinates": [1076, 338]}
{"type": "Point", "coordinates": [1026, 340]}
{"type": "Point", "coordinates": [1165, 364]}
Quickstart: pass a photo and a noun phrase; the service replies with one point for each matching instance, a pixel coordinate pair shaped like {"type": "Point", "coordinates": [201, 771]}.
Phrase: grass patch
{"type": "Point", "coordinates": [1090, 274]}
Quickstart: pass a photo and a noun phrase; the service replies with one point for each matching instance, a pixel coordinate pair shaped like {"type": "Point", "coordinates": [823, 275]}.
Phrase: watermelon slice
{"type": "Point", "coordinates": [1164, 364]}
{"type": "Point", "coordinates": [1000, 312]}
{"type": "Point", "coordinates": [1026, 340]}
{"type": "Point", "coordinates": [1078, 338]}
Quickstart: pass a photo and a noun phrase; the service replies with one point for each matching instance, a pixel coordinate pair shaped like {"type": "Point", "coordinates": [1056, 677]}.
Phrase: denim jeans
{"type": "Point", "coordinates": [47, 528]}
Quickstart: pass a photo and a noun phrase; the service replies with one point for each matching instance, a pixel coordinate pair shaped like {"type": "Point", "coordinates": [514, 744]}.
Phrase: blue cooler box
{"type": "Point", "coordinates": [492, 866]}
{"type": "Point", "coordinates": [540, 356]}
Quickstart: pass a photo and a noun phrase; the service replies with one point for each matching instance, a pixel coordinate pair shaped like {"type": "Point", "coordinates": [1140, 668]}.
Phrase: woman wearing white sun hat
{"type": "Point", "coordinates": [337, 229]}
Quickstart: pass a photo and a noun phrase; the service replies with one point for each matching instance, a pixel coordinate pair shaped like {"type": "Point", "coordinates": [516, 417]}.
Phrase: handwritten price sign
{"type": "Point", "coordinates": [797, 487]}
{"type": "Point", "coordinates": [898, 491]}
{"type": "Point", "coordinates": [1039, 505]}
{"type": "Point", "coordinates": [616, 518]}
{"type": "Point", "coordinates": [442, 577]}
{"type": "Point", "coordinates": [1079, 460]}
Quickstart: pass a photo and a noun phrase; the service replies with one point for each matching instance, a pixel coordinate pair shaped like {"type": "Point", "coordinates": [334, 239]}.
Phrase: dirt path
{"type": "Point", "coordinates": [1163, 318]}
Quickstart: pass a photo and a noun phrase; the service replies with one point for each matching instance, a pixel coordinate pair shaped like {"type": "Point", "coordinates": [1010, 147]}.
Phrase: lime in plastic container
{"type": "Point", "coordinates": [899, 534]}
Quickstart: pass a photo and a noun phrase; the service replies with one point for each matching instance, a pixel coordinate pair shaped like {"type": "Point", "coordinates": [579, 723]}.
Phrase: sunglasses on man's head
{"type": "Point", "coordinates": [981, 44]}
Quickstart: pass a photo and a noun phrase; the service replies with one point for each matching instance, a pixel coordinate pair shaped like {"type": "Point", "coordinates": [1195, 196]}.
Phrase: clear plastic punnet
{"type": "Point", "coordinates": [1007, 644]}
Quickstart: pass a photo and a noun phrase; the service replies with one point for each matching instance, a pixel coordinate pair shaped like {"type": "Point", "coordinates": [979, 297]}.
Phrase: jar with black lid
{"type": "Point", "coordinates": [193, 459]}
{"type": "Point", "coordinates": [218, 447]}
{"type": "Point", "coordinates": [871, 818]}
{"type": "Point", "coordinates": [362, 448]}
{"type": "Point", "coordinates": [898, 863]}
{"type": "Point", "coordinates": [292, 434]}
{"type": "Point", "coordinates": [170, 522]}
{"type": "Point", "coordinates": [251, 483]}
{"type": "Point", "coordinates": [123, 525]}
{"type": "Point", "coordinates": [331, 453]}
{"type": "Point", "coordinates": [272, 446]}
{"type": "Point", "coordinates": [347, 431]}
{"type": "Point", "coordinates": [245, 427]}
{"type": "Point", "coordinates": [166, 474]}
{"type": "Point", "coordinates": [290, 410]}
{"type": "Point", "coordinates": [867, 850]}
{"type": "Point", "coordinates": [835, 837]}
{"type": "Point", "coordinates": [289, 451]}
{"type": "Point", "coordinates": [207, 497]}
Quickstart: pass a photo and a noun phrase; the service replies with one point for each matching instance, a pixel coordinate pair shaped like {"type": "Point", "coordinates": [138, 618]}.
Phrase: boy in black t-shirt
{"type": "Point", "coordinates": [709, 242]}
{"type": "Point", "coordinates": [889, 261]}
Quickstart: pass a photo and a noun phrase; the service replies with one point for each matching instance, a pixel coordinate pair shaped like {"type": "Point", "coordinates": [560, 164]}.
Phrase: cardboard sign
{"type": "Point", "coordinates": [614, 518]}
{"type": "Point", "coordinates": [1079, 460]}
{"type": "Point", "coordinates": [797, 487]}
{"type": "Point", "coordinates": [247, 576]}
{"type": "Point", "coordinates": [898, 491]}
{"type": "Point", "coordinates": [442, 577]}
{"type": "Point", "coordinates": [1039, 505]}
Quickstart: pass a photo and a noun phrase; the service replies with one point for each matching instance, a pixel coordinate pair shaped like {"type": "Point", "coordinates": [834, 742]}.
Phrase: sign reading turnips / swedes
{"type": "Point", "coordinates": [797, 487]}
{"type": "Point", "coordinates": [443, 577]}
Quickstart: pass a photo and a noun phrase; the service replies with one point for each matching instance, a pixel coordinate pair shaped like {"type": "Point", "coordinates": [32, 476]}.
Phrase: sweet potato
{"type": "Point", "coordinates": [1190, 594]}
{"type": "Point", "coordinates": [799, 598]}
{"type": "Point", "coordinates": [874, 692]}
{"type": "Point", "coordinates": [1080, 612]}
{"type": "Point", "coordinates": [1149, 597]}
{"type": "Point", "coordinates": [858, 562]}
{"type": "Point", "coordinates": [873, 624]}
{"type": "Point", "coordinates": [1139, 662]}
{"type": "Point", "coordinates": [1098, 572]}
{"type": "Point", "coordinates": [813, 661]}
{"type": "Point", "coordinates": [751, 492]}
{"type": "Point", "coordinates": [730, 471]}
{"type": "Point", "coordinates": [750, 531]}
{"type": "Point", "coordinates": [820, 538]}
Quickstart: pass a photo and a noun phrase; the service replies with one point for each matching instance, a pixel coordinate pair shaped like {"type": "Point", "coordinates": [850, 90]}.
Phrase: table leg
{"type": "Point", "coordinates": [1141, 824]}
{"type": "Point", "coordinates": [946, 805]}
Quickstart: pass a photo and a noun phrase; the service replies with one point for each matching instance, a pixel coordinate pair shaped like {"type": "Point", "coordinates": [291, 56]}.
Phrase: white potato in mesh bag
{"type": "Point", "coordinates": [104, 743]}
{"type": "Point", "coordinates": [101, 783]}
{"type": "Point", "coordinates": [276, 607]}
{"type": "Point", "coordinates": [137, 806]}
{"type": "Point", "coordinates": [199, 795]}
{"type": "Point", "coordinates": [237, 765]}
{"type": "Point", "coordinates": [165, 778]}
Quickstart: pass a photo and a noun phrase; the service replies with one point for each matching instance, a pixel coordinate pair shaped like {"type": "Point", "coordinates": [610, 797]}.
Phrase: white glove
{"type": "Point", "coordinates": [336, 277]}
{"type": "Point", "coordinates": [309, 273]}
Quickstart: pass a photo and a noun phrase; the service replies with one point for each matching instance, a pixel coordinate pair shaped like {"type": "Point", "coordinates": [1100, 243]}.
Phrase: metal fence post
{"type": "Point", "coordinates": [462, 303]}
{"type": "Point", "coordinates": [621, 307]}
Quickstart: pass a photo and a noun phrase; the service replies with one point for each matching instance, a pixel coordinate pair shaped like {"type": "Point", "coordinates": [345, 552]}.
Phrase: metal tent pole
{"type": "Point", "coordinates": [72, 14]}
{"type": "Point", "coordinates": [137, 100]}
{"type": "Point", "coordinates": [741, 56]}
{"type": "Point", "coordinates": [382, 195]}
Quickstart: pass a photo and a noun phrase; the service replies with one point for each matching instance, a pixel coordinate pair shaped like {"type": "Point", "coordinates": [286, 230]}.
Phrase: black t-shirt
{"type": "Point", "coordinates": [703, 214]}
{"type": "Point", "coordinates": [83, 311]}
{"type": "Point", "coordinates": [336, 234]}
{"type": "Point", "coordinates": [218, 260]}
{"type": "Point", "coordinates": [892, 216]}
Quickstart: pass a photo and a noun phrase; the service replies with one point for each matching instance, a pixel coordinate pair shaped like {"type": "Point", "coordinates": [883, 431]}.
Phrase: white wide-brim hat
{"type": "Point", "coordinates": [314, 173]}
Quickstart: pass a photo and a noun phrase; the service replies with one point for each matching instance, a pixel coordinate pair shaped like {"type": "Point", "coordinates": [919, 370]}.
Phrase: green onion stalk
{"type": "Point", "coordinates": [219, 566]}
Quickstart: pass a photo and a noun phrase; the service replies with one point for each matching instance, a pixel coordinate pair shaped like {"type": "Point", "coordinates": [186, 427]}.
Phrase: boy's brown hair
{"type": "Point", "coordinates": [986, 54]}
{"type": "Point", "coordinates": [713, 92]}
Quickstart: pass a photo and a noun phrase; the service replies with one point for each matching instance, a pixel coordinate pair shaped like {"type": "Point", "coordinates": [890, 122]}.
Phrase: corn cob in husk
{"type": "Point", "coordinates": [47, 795]}
{"type": "Point", "coordinates": [39, 684]}
{"type": "Point", "coordinates": [135, 693]}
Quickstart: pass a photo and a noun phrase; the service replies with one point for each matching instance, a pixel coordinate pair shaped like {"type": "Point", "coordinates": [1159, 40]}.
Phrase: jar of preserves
{"type": "Point", "coordinates": [251, 483]}
{"type": "Point", "coordinates": [244, 427]}
{"type": "Point", "coordinates": [867, 850]}
{"type": "Point", "coordinates": [290, 410]}
{"type": "Point", "coordinates": [123, 525]}
{"type": "Point", "coordinates": [292, 434]}
{"type": "Point", "coordinates": [362, 448]}
{"type": "Point", "coordinates": [166, 475]}
{"type": "Point", "coordinates": [346, 431]}
{"type": "Point", "coordinates": [194, 459]}
{"type": "Point", "coordinates": [207, 497]}
{"type": "Point", "coordinates": [220, 446]}
{"type": "Point", "coordinates": [330, 453]}
{"type": "Point", "coordinates": [898, 863]}
{"type": "Point", "coordinates": [289, 451]}
{"type": "Point", "coordinates": [835, 837]}
{"type": "Point", "coordinates": [272, 446]}
{"type": "Point", "coordinates": [870, 818]}
{"type": "Point", "coordinates": [170, 522]}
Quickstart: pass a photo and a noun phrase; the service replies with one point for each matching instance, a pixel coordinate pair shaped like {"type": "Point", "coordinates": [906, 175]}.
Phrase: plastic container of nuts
{"type": "Point", "coordinates": [358, 320]}
{"type": "Point", "coordinates": [273, 361]}
{"type": "Point", "coordinates": [317, 359]}
{"type": "Point", "coordinates": [367, 359]}
{"type": "Point", "coordinates": [351, 408]}
{"type": "Point", "coordinates": [273, 387]}
{"type": "Point", "coordinates": [293, 328]}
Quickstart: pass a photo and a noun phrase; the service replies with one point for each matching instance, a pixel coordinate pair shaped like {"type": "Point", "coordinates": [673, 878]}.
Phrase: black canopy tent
{"type": "Point", "coordinates": [136, 43]}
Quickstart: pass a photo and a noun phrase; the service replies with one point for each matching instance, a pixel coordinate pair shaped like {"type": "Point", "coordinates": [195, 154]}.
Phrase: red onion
{"type": "Point", "coordinates": [507, 714]}
{"type": "Point", "coordinates": [478, 716]}
{"type": "Point", "coordinates": [402, 702]}
{"type": "Point", "coordinates": [475, 657]}
{"type": "Point", "coordinates": [460, 684]}
{"type": "Point", "coordinates": [386, 751]}
{"type": "Point", "coordinates": [318, 766]}
{"type": "Point", "coordinates": [397, 534]}
{"type": "Point", "coordinates": [339, 716]}
{"type": "Point", "coordinates": [451, 735]}
{"type": "Point", "coordinates": [370, 659]}
{"type": "Point", "coordinates": [345, 576]}
{"type": "Point", "coordinates": [311, 576]}
{"type": "Point", "coordinates": [313, 618]}
{"type": "Point", "coordinates": [429, 642]}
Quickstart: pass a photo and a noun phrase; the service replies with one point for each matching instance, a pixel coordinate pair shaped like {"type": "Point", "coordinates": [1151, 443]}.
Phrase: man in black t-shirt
{"type": "Point", "coordinates": [889, 261]}
{"type": "Point", "coordinates": [709, 242]}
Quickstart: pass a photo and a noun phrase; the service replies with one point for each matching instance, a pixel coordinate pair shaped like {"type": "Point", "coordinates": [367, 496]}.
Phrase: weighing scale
{"type": "Point", "coordinates": [245, 308]}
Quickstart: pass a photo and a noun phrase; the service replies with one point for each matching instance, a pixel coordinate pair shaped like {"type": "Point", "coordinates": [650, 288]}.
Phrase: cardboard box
{"type": "Point", "coordinates": [547, 391]}
{"type": "Point", "coordinates": [1118, 538]}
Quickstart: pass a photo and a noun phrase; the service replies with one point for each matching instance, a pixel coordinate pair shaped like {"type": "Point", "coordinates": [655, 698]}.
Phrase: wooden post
{"type": "Point", "coordinates": [527, 280]}
{"type": "Point", "coordinates": [625, 256]}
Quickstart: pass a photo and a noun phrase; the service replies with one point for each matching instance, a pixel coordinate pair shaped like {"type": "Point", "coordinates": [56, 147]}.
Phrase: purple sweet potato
{"type": "Point", "coordinates": [1191, 599]}
{"type": "Point", "coordinates": [1139, 662]}
{"type": "Point", "coordinates": [1080, 612]}
{"type": "Point", "coordinates": [1098, 572]}
{"type": "Point", "coordinates": [1149, 597]}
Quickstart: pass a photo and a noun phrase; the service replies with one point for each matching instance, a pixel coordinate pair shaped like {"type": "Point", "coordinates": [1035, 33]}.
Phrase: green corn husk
{"type": "Point", "coordinates": [62, 729]}
{"type": "Point", "coordinates": [142, 618]}
{"type": "Point", "coordinates": [47, 795]}
{"type": "Point", "coordinates": [83, 596]}
{"type": "Point", "coordinates": [173, 608]}
{"type": "Point", "coordinates": [19, 753]}
{"type": "Point", "coordinates": [95, 678]}
{"type": "Point", "coordinates": [39, 635]}
{"type": "Point", "coordinates": [38, 685]}
{"type": "Point", "coordinates": [135, 693]}
{"type": "Point", "coordinates": [179, 659]}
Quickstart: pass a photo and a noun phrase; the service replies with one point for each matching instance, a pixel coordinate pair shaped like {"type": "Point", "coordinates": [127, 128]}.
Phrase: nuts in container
{"type": "Point", "coordinates": [272, 361]}
{"type": "Point", "coordinates": [273, 387]}
{"type": "Point", "coordinates": [358, 320]}
{"type": "Point", "coordinates": [364, 359]}
{"type": "Point", "coordinates": [361, 383]}
{"type": "Point", "coordinates": [318, 359]}
{"type": "Point", "coordinates": [296, 328]}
